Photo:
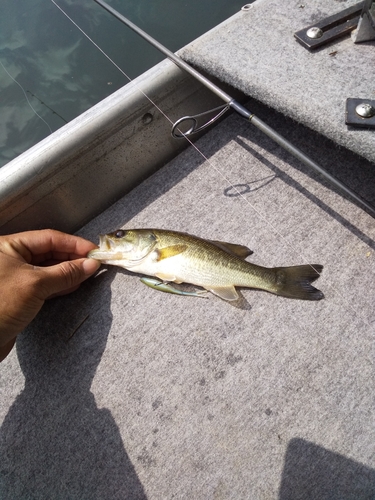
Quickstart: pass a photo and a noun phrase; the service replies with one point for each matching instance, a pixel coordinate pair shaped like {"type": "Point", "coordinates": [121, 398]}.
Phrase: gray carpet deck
{"type": "Point", "coordinates": [122, 392]}
{"type": "Point", "coordinates": [256, 52]}
{"type": "Point", "coordinates": [159, 396]}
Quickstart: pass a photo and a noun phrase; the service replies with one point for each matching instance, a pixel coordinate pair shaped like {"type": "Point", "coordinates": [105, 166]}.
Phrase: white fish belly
{"type": "Point", "coordinates": [180, 269]}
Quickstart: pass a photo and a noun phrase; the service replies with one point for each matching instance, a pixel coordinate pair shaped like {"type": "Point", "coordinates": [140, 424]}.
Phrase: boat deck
{"type": "Point", "coordinates": [119, 391]}
{"type": "Point", "coordinates": [257, 53]}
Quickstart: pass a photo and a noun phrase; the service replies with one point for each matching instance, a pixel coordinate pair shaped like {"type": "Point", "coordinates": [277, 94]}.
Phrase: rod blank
{"type": "Point", "coordinates": [236, 106]}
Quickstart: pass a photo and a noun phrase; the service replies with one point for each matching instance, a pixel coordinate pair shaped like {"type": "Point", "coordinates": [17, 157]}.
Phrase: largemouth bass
{"type": "Point", "coordinates": [217, 266]}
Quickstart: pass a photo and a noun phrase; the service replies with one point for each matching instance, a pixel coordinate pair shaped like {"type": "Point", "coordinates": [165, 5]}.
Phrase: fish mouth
{"type": "Point", "coordinates": [104, 243]}
{"type": "Point", "coordinates": [99, 254]}
{"type": "Point", "coordinates": [109, 252]}
{"type": "Point", "coordinates": [105, 250]}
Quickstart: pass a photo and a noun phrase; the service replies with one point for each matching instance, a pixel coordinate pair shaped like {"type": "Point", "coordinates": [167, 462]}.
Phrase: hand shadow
{"type": "Point", "coordinates": [55, 442]}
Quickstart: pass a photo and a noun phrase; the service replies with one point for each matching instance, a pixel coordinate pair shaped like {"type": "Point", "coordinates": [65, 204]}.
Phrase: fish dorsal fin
{"type": "Point", "coordinates": [171, 251]}
{"type": "Point", "coordinates": [224, 292]}
{"type": "Point", "coordinates": [238, 250]}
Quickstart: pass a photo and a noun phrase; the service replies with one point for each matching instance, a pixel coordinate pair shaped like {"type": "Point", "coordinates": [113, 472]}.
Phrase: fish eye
{"type": "Point", "coordinates": [120, 233]}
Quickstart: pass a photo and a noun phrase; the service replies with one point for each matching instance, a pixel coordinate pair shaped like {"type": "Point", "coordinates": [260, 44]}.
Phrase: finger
{"type": "Point", "coordinates": [59, 244]}
{"type": "Point", "coordinates": [63, 292]}
{"type": "Point", "coordinates": [65, 277]}
{"type": "Point", "coordinates": [38, 246]}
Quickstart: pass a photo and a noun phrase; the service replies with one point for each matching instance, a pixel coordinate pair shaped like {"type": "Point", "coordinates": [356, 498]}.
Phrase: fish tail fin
{"type": "Point", "coordinates": [295, 282]}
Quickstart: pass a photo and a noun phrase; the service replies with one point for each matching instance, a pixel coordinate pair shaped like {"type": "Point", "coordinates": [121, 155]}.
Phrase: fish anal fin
{"type": "Point", "coordinates": [224, 292]}
{"type": "Point", "coordinates": [171, 251]}
{"type": "Point", "coordinates": [240, 251]}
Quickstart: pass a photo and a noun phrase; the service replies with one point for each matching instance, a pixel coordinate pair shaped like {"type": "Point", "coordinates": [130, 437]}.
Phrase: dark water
{"type": "Point", "coordinates": [62, 74]}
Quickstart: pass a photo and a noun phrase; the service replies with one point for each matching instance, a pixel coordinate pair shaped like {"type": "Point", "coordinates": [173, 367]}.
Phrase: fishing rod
{"type": "Point", "coordinates": [236, 106]}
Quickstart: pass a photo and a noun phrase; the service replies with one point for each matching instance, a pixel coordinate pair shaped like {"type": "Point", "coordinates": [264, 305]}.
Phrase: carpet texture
{"type": "Point", "coordinates": [256, 52]}
{"type": "Point", "coordinates": [122, 392]}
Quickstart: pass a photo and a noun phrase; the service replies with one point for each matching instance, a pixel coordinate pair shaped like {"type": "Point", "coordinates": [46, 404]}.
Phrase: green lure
{"type": "Point", "coordinates": [168, 288]}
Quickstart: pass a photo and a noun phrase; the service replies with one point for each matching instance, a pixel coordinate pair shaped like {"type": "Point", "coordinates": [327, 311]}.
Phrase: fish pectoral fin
{"type": "Point", "coordinates": [224, 292]}
{"type": "Point", "coordinates": [239, 250]}
{"type": "Point", "coordinates": [171, 251]}
{"type": "Point", "coordinates": [167, 277]}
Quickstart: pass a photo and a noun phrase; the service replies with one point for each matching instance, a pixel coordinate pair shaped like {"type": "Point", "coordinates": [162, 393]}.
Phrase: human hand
{"type": "Point", "coordinates": [35, 266]}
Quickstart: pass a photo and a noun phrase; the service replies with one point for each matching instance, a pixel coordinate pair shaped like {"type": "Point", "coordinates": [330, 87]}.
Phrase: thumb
{"type": "Point", "coordinates": [65, 277]}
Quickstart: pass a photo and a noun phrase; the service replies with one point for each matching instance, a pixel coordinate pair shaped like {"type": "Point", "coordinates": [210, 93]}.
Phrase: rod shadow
{"type": "Point", "coordinates": [296, 185]}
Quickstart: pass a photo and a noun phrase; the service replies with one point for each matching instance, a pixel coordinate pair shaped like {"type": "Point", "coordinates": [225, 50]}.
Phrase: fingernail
{"type": "Point", "coordinates": [89, 266]}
